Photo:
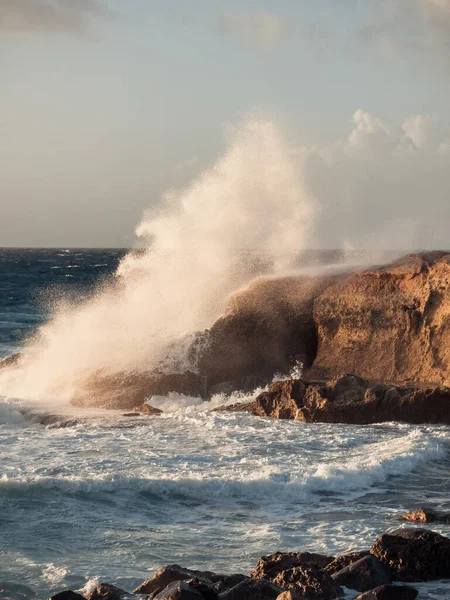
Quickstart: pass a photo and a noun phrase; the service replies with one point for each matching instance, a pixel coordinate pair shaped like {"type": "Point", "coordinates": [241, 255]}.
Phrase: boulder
{"type": "Point", "coordinates": [106, 591]}
{"type": "Point", "coordinates": [268, 567]}
{"type": "Point", "coordinates": [179, 590]}
{"type": "Point", "coordinates": [349, 399]}
{"type": "Point", "coordinates": [222, 583]}
{"type": "Point", "coordinates": [266, 329]}
{"type": "Point", "coordinates": [290, 595]}
{"type": "Point", "coordinates": [423, 515]}
{"type": "Point", "coordinates": [147, 409]}
{"type": "Point", "coordinates": [169, 574]}
{"type": "Point", "coordinates": [363, 575]}
{"type": "Point", "coordinates": [67, 595]}
{"type": "Point", "coordinates": [208, 591]}
{"type": "Point", "coordinates": [343, 561]}
{"type": "Point", "coordinates": [414, 554]}
{"type": "Point", "coordinates": [390, 592]}
{"type": "Point", "coordinates": [252, 589]}
{"type": "Point", "coordinates": [389, 324]}
{"type": "Point", "coordinates": [313, 583]}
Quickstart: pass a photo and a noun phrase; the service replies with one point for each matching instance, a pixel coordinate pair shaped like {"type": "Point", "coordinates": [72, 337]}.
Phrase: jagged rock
{"type": "Point", "coordinates": [252, 589]}
{"type": "Point", "coordinates": [390, 592]}
{"type": "Point", "coordinates": [414, 554]}
{"type": "Point", "coordinates": [222, 583]}
{"type": "Point", "coordinates": [266, 329]}
{"type": "Point", "coordinates": [169, 574]}
{"type": "Point", "coordinates": [340, 562]}
{"type": "Point", "coordinates": [209, 592]}
{"type": "Point", "coordinates": [363, 575]}
{"type": "Point", "coordinates": [106, 591]}
{"type": "Point", "coordinates": [388, 324]}
{"type": "Point", "coordinates": [423, 515]}
{"type": "Point", "coordinates": [179, 590]}
{"type": "Point", "coordinates": [268, 567]}
{"type": "Point", "coordinates": [67, 595]}
{"type": "Point", "coordinates": [312, 582]}
{"type": "Point", "coordinates": [349, 399]}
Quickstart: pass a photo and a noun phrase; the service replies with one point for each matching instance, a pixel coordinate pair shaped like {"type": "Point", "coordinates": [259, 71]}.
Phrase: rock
{"type": "Point", "coordinates": [179, 590]}
{"type": "Point", "coordinates": [266, 329]}
{"type": "Point", "coordinates": [209, 592]}
{"type": "Point", "coordinates": [106, 591]}
{"type": "Point", "coordinates": [10, 361]}
{"type": "Point", "coordinates": [55, 421]}
{"type": "Point", "coordinates": [146, 409]}
{"type": "Point", "coordinates": [363, 575]}
{"type": "Point", "coordinates": [422, 515]}
{"type": "Point", "coordinates": [252, 589]}
{"type": "Point", "coordinates": [222, 583]}
{"type": "Point", "coordinates": [169, 574]}
{"type": "Point", "coordinates": [349, 399]}
{"type": "Point", "coordinates": [311, 582]}
{"type": "Point", "coordinates": [67, 595]}
{"type": "Point", "coordinates": [390, 592]}
{"type": "Point", "coordinates": [127, 390]}
{"type": "Point", "coordinates": [290, 595]}
{"type": "Point", "coordinates": [268, 567]}
{"type": "Point", "coordinates": [414, 554]}
{"type": "Point", "coordinates": [389, 324]}
{"type": "Point", "coordinates": [343, 561]}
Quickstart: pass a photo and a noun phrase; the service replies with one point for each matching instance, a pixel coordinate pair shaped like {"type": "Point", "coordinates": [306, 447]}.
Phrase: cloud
{"type": "Point", "coordinates": [71, 17]}
{"type": "Point", "coordinates": [418, 26]}
{"type": "Point", "coordinates": [384, 186]}
{"type": "Point", "coordinates": [260, 29]}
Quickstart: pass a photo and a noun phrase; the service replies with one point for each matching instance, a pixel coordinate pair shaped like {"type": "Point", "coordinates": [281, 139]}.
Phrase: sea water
{"type": "Point", "coordinates": [97, 496]}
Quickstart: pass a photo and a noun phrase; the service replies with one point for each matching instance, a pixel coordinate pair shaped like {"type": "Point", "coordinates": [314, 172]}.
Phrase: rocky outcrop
{"type": "Point", "coordinates": [414, 554]}
{"type": "Point", "coordinates": [388, 324]}
{"type": "Point", "coordinates": [349, 399]}
{"type": "Point", "coordinates": [106, 591]}
{"type": "Point", "coordinates": [267, 329]}
{"type": "Point", "coordinates": [270, 566]}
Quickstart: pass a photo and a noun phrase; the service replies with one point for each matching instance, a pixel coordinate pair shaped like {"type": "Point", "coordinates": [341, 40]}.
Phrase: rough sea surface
{"type": "Point", "coordinates": [102, 497]}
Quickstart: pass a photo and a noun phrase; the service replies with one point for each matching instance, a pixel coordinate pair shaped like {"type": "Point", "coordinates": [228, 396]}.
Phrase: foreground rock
{"type": "Point", "coordinates": [363, 575]}
{"type": "Point", "coordinates": [349, 399]}
{"type": "Point", "coordinates": [423, 515]}
{"type": "Point", "coordinates": [252, 589]}
{"type": "Point", "coordinates": [340, 562]}
{"type": "Point", "coordinates": [67, 595]}
{"type": "Point", "coordinates": [414, 554]}
{"type": "Point", "coordinates": [268, 567]}
{"type": "Point", "coordinates": [106, 591]}
{"type": "Point", "coordinates": [390, 592]}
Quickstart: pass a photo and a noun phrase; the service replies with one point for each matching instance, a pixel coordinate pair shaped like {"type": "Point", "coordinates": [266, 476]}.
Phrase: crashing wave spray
{"type": "Point", "coordinates": [252, 202]}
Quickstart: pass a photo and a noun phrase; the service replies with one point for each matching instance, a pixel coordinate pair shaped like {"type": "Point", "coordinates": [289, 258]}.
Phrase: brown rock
{"type": "Point", "coordinates": [311, 582]}
{"type": "Point", "coordinates": [422, 515]}
{"type": "Point", "coordinates": [252, 589]}
{"type": "Point", "coordinates": [414, 554]}
{"type": "Point", "coordinates": [390, 592]}
{"type": "Point", "coordinates": [363, 575]}
{"type": "Point", "coordinates": [128, 390]}
{"type": "Point", "coordinates": [388, 324]}
{"type": "Point", "coordinates": [268, 567]}
{"type": "Point", "coordinates": [290, 595]}
{"type": "Point", "coordinates": [106, 591]}
{"type": "Point", "coordinates": [146, 409]}
{"type": "Point", "coordinates": [266, 329]}
{"type": "Point", "coordinates": [179, 590]}
{"type": "Point", "coordinates": [169, 574]}
{"type": "Point", "coordinates": [349, 399]}
{"type": "Point", "coordinates": [343, 561]}
{"type": "Point", "coordinates": [11, 361]}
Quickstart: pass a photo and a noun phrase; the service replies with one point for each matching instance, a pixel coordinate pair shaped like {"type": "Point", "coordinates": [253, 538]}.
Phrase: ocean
{"type": "Point", "coordinates": [97, 496]}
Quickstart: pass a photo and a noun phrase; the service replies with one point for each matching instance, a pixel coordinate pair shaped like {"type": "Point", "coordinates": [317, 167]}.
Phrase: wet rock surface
{"type": "Point", "coordinates": [363, 575]}
{"type": "Point", "coordinates": [390, 592]}
{"type": "Point", "coordinates": [423, 515]}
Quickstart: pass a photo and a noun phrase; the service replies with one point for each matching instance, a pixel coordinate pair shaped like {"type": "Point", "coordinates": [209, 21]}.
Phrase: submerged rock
{"type": "Point", "coordinates": [363, 575]}
{"type": "Point", "coordinates": [390, 592]}
{"type": "Point", "coordinates": [414, 554]}
{"type": "Point", "coordinates": [349, 399]}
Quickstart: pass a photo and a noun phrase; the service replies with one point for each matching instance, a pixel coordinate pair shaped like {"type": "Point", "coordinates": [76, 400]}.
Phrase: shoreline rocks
{"type": "Point", "coordinates": [404, 555]}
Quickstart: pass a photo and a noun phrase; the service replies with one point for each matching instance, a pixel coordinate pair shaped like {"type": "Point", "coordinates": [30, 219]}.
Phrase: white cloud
{"type": "Point", "coordinates": [256, 28]}
{"type": "Point", "coordinates": [57, 16]}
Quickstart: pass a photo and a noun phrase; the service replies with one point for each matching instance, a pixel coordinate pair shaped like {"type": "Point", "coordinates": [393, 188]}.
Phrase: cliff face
{"type": "Point", "coordinates": [389, 324]}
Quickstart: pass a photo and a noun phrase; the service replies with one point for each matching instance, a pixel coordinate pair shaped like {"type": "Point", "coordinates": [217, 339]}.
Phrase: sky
{"type": "Point", "coordinates": [106, 104]}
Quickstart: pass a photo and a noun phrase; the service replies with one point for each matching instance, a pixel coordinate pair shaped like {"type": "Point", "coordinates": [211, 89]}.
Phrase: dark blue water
{"type": "Point", "coordinates": [30, 279]}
